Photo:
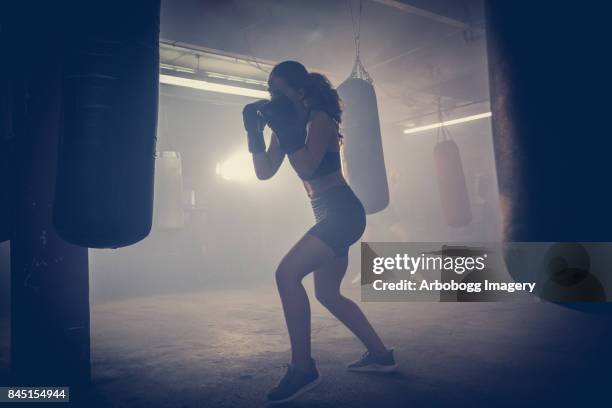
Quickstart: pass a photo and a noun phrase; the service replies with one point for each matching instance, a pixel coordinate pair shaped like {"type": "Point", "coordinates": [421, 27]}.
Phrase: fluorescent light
{"type": "Point", "coordinates": [236, 78]}
{"type": "Point", "coordinates": [177, 68]}
{"type": "Point", "coordinates": [448, 123]}
{"type": "Point", "coordinates": [211, 86]}
{"type": "Point", "coordinates": [238, 167]}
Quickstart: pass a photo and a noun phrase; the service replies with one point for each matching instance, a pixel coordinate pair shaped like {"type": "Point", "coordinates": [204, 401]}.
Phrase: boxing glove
{"type": "Point", "coordinates": [284, 119]}
{"type": "Point", "coordinates": [254, 125]}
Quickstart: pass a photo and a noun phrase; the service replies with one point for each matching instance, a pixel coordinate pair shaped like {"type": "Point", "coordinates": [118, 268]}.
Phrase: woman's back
{"type": "Point", "coordinates": [329, 172]}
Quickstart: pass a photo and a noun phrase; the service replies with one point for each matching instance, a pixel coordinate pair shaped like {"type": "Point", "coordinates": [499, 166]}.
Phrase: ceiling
{"type": "Point", "coordinates": [414, 50]}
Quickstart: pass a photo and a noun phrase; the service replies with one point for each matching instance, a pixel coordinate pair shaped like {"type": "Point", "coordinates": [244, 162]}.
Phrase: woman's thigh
{"type": "Point", "coordinates": [307, 255]}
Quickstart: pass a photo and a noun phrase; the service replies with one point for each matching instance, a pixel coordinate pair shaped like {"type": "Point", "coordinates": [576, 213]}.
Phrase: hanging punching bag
{"type": "Point", "coordinates": [168, 211]}
{"type": "Point", "coordinates": [552, 151]}
{"type": "Point", "coordinates": [104, 186]}
{"type": "Point", "coordinates": [5, 133]}
{"type": "Point", "coordinates": [8, 79]}
{"type": "Point", "coordinates": [454, 196]}
{"type": "Point", "coordinates": [363, 159]}
{"type": "Point", "coordinates": [363, 150]}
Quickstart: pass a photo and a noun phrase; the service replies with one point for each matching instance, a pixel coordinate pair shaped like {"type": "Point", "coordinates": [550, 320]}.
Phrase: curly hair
{"type": "Point", "coordinates": [322, 96]}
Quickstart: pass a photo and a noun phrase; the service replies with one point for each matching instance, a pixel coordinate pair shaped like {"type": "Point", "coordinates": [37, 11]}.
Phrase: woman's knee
{"type": "Point", "coordinates": [328, 298]}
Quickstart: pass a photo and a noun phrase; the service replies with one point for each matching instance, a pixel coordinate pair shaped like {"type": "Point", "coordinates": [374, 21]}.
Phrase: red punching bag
{"type": "Point", "coordinates": [104, 186]}
{"type": "Point", "coordinates": [454, 196]}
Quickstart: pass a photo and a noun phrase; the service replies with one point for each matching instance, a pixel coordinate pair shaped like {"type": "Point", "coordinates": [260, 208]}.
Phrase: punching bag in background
{"type": "Point", "coordinates": [169, 212]}
{"type": "Point", "coordinates": [454, 196]}
{"type": "Point", "coordinates": [104, 188]}
{"type": "Point", "coordinates": [363, 150]}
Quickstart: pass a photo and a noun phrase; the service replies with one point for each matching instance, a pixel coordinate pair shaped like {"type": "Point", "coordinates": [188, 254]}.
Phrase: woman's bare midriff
{"type": "Point", "coordinates": [320, 185]}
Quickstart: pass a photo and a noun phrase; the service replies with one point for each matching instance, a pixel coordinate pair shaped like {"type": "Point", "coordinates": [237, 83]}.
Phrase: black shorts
{"type": "Point", "coordinates": [340, 219]}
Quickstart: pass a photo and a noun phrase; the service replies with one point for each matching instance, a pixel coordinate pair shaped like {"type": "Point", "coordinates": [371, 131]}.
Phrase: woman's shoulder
{"type": "Point", "coordinates": [320, 116]}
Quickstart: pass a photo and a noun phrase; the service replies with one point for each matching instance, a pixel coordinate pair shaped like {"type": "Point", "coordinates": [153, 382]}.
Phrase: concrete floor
{"type": "Point", "coordinates": [227, 348]}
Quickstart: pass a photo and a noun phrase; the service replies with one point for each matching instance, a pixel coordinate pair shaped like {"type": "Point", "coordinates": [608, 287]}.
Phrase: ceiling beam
{"type": "Point", "coordinates": [263, 64]}
{"type": "Point", "coordinates": [196, 49]}
{"type": "Point", "coordinates": [423, 13]}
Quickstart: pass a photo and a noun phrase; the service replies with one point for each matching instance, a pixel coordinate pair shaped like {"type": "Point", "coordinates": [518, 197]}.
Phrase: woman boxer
{"type": "Point", "coordinates": [304, 115]}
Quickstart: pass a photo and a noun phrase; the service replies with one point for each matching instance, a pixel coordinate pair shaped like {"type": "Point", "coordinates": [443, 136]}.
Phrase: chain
{"type": "Point", "coordinates": [358, 70]}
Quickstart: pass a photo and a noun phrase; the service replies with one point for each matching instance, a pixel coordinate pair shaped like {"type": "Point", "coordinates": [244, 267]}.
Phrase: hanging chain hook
{"type": "Point", "coordinates": [359, 70]}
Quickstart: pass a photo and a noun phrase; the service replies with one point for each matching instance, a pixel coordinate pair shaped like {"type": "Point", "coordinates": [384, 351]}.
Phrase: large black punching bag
{"type": "Point", "coordinates": [550, 132]}
{"type": "Point", "coordinates": [551, 136]}
{"type": "Point", "coordinates": [6, 176]}
{"type": "Point", "coordinates": [363, 150]}
{"type": "Point", "coordinates": [104, 191]}
{"type": "Point", "coordinates": [7, 85]}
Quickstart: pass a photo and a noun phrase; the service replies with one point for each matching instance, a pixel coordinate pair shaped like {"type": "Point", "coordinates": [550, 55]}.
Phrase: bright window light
{"type": "Point", "coordinates": [211, 86]}
{"type": "Point", "coordinates": [447, 123]}
{"type": "Point", "coordinates": [238, 167]}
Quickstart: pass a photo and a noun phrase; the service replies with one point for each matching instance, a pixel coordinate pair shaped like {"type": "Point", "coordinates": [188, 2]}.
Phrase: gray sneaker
{"type": "Point", "coordinates": [294, 383]}
{"type": "Point", "coordinates": [384, 363]}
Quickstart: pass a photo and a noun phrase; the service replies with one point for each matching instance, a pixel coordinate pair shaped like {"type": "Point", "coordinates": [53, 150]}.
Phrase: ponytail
{"type": "Point", "coordinates": [322, 96]}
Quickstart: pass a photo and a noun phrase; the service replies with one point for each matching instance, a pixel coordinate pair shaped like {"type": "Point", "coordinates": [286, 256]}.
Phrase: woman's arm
{"type": "Point", "coordinates": [267, 163]}
{"type": "Point", "coordinates": [320, 133]}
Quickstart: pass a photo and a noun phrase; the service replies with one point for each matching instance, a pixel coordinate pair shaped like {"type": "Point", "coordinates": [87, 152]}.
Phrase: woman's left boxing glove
{"type": "Point", "coordinates": [254, 125]}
